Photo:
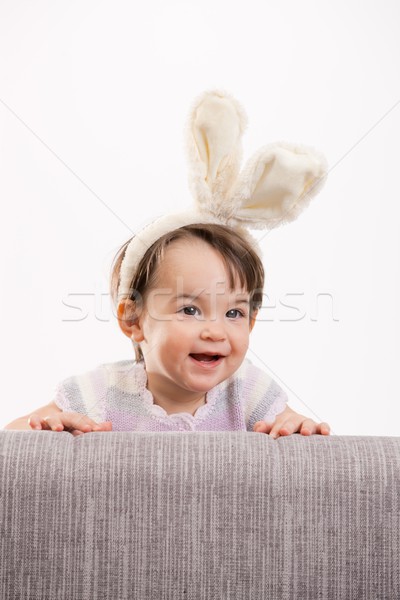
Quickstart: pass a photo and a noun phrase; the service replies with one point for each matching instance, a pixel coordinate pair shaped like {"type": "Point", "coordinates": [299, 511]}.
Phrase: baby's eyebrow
{"type": "Point", "coordinates": [192, 297]}
{"type": "Point", "coordinates": [185, 296]}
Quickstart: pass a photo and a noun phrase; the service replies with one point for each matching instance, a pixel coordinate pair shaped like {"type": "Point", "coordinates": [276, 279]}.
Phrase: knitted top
{"type": "Point", "coordinates": [117, 392]}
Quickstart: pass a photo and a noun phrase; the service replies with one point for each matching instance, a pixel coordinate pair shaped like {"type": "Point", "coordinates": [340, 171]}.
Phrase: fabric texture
{"type": "Point", "coordinates": [117, 392]}
{"type": "Point", "coordinates": [217, 515]}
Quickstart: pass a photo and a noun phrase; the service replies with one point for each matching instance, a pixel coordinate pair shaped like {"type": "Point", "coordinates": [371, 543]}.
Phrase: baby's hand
{"type": "Point", "coordinates": [73, 422]}
{"type": "Point", "coordinates": [288, 422]}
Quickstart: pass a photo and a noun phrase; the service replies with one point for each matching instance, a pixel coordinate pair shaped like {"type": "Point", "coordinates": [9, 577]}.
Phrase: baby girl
{"type": "Point", "coordinates": [187, 290]}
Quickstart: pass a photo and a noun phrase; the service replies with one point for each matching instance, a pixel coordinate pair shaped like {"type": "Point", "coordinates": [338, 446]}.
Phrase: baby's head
{"type": "Point", "coordinates": [199, 286]}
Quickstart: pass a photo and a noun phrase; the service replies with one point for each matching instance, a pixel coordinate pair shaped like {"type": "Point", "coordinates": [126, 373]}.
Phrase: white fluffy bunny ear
{"type": "Point", "coordinates": [274, 187]}
{"type": "Point", "coordinates": [276, 184]}
{"type": "Point", "coordinates": [213, 135]}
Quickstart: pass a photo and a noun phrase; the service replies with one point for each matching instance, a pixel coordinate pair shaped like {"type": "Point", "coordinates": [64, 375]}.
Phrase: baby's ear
{"type": "Point", "coordinates": [253, 317]}
{"type": "Point", "coordinates": [126, 310]}
{"type": "Point", "coordinates": [127, 316]}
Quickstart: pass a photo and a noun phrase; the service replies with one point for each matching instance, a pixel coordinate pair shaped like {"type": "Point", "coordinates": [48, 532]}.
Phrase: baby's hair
{"type": "Point", "coordinates": [241, 261]}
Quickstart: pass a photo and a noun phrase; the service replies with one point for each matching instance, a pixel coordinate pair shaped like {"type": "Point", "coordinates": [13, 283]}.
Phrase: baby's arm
{"type": "Point", "coordinates": [288, 422]}
{"type": "Point", "coordinates": [52, 417]}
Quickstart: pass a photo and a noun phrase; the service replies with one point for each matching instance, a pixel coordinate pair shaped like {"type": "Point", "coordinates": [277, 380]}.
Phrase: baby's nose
{"type": "Point", "coordinates": [213, 331]}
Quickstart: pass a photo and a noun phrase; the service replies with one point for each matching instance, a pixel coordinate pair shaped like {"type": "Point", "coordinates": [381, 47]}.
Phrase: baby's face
{"type": "Point", "coordinates": [194, 330]}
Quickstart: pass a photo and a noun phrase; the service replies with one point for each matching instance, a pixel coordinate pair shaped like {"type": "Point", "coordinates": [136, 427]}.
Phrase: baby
{"type": "Point", "coordinates": [187, 290]}
{"type": "Point", "coordinates": [196, 295]}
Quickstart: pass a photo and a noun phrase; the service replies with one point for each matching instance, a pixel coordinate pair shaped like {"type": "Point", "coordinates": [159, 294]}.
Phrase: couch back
{"type": "Point", "coordinates": [206, 515]}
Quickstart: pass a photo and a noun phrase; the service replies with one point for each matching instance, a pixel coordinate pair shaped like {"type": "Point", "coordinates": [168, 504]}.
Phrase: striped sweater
{"type": "Point", "coordinates": [117, 392]}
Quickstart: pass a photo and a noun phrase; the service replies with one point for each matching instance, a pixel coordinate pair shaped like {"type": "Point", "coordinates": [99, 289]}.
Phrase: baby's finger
{"type": "Point", "coordinates": [55, 423]}
{"type": "Point", "coordinates": [52, 422]}
{"type": "Point", "coordinates": [105, 426]}
{"type": "Point", "coordinates": [80, 422]}
{"type": "Point", "coordinates": [34, 421]}
{"type": "Point", "coordinates": [262, 426]}
{"type": "Point", "coordinates": [324, 428]}
{"type": "Point", "coordinates": [308, 427]}
{"type": "Point", "coordinates": [76, 432]}
{"type": "Point", "coordinates": [286, 428]}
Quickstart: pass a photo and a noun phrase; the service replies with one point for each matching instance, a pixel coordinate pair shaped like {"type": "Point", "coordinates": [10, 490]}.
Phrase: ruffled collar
{"type": "Point", "coordinates": [140, 383]}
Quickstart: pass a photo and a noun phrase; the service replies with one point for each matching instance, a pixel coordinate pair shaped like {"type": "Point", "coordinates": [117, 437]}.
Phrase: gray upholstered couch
{"type": "Point", "coordinates": [227, 515]}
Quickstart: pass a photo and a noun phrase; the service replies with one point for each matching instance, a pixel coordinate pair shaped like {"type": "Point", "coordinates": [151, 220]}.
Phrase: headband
{"type": "Point", "coordinates": [273, 188]}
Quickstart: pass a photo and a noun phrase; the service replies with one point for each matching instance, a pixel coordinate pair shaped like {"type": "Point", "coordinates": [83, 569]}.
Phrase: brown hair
{"type": "Point", "coordinates": [241, 261]}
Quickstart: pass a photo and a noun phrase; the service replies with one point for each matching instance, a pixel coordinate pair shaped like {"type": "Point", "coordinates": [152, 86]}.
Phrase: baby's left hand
{"type": "Point", "coordinates": [288, 422]}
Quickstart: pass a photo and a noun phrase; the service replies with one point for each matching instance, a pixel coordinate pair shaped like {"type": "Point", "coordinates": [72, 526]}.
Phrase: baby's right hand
{"type": "Point", "coordinates": [73, 422]}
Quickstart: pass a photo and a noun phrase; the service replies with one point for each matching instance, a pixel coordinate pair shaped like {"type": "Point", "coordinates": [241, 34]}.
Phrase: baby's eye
{"type": "Point", "coordinates": [190, 310]}
{"type": "Point", "coordinates": [234, 313]}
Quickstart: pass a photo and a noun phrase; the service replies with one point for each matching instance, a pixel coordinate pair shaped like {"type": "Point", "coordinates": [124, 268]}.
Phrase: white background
{"type": "Point", "coordinates": [93, 100]}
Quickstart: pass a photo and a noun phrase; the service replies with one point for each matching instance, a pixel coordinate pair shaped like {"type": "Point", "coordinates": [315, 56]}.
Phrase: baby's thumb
{"type": "Point", "coordinates": [263, 426]}
{"type": "Point", "coordinates": [104, 426]}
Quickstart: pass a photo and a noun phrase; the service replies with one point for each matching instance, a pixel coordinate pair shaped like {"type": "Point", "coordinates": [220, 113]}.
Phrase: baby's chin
{"type": "Point", "coordinates": [201, 384]}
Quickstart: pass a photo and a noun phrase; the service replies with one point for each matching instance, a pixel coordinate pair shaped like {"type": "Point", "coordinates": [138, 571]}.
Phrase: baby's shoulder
{"type": "Point", "coordinates": [102, 373]}
{"type": "Point", "coordinates": [261, 397]}
{"type": "Point", "coordinates": [120, 366]}
{"type": "Point", "coordinates": [248, 372]}
{"type": "Point", "coordinates": [87, 392]}
{"type": "Point", "coordinates": [252, 382]}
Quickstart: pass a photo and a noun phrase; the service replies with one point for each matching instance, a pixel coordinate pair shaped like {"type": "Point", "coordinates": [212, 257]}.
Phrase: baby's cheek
{"type": "Point", "coordinates": [242, 341]}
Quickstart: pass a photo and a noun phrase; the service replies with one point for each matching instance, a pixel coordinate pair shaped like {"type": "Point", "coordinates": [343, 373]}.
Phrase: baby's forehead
{"type": "Point", "coordinates": [197, 269]}
{"type": "Point", "coordinates": [191, 290]}
{"type": "Point", "coordinates": [195, 258]}
{"type": "Point", "coordinates": [199, 278]}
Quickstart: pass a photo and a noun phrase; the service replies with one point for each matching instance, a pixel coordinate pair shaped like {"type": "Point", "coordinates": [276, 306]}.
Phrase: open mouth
{"type": "Point", "coordinates": [206, 357]}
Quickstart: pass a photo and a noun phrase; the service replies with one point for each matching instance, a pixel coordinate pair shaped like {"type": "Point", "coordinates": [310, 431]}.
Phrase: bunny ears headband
{"type": "Point", "coordinates": [273, 188]}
